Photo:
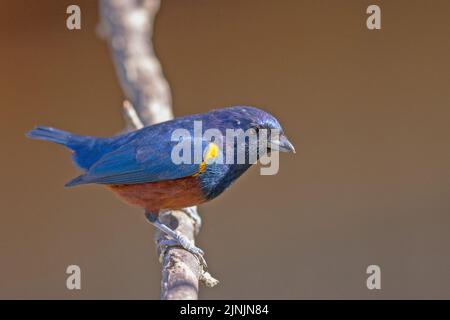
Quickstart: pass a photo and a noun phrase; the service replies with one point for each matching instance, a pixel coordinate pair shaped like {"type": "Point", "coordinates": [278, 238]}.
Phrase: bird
{"type": "Point", "coordinates": [139, 166]}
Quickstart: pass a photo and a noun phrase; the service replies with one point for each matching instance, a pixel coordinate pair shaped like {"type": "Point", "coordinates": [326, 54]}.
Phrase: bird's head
{"type": "Point", "coordinates": [262, 121]}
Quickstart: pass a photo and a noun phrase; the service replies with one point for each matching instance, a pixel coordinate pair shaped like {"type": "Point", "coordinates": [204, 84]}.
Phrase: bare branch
{"type": "Point", "coordinates": [127, 26]}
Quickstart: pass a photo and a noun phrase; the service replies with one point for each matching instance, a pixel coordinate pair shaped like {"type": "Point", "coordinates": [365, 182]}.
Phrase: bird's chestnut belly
{"type": "Point", "coordinates": [168, 194]}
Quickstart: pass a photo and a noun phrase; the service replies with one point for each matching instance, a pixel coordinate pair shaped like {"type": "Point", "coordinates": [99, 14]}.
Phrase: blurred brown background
{"type": "Point", "coordinates": [367, 110]}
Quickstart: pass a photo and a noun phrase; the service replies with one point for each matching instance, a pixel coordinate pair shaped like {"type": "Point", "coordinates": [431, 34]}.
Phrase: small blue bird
{"type": "Point", "coordinates": [139, 166]}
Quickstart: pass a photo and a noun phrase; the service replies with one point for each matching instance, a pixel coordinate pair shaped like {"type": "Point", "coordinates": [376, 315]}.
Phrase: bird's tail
{"type": "Point", "coordinates": [50, 134]}
{"type": "Point", "coordinates": [84, 148]}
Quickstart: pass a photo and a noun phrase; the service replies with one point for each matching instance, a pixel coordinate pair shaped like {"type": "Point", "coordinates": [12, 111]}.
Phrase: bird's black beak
{"type": "Point", "coordinates": [282, 144]}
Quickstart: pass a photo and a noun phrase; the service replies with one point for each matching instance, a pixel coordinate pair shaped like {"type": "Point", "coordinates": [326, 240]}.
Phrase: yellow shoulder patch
{"type": "Point", "coordinates": [211, 153]}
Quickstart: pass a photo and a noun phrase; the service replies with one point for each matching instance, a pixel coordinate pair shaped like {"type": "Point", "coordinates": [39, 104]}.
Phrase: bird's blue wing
{"type": "Point", "coordinates": [140, 163]}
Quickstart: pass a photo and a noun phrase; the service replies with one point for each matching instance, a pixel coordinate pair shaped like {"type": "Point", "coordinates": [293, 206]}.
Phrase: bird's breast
{"type": "Point", "coordinates": [167, 194]}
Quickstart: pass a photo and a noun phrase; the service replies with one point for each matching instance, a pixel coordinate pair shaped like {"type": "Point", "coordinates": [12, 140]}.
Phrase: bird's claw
{"type": "Point", "coordinates": [187, 244]}
{"type": "Point", "coordinates": [184, 242]}
{"type": "Point", "coordinates": [175, 239]}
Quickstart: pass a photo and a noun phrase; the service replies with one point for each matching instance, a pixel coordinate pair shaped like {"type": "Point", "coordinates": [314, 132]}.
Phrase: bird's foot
{"type": "Point", "coordinates": [187, 244]}
{"type": "Point", "coordinates": [177, 239]}
{"type": "Point", "coordinates": [183, 242]}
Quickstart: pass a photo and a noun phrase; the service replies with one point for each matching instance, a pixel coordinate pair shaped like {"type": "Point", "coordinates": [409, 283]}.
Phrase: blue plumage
{"type": "Point", "coordinates": [144, 156]}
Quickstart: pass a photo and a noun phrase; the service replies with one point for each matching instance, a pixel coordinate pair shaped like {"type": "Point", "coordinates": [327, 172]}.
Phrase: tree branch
{"type": "Point", "coordinates": [127, 26]}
